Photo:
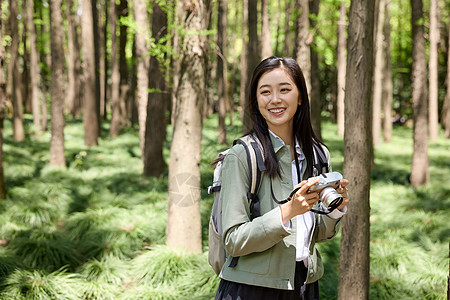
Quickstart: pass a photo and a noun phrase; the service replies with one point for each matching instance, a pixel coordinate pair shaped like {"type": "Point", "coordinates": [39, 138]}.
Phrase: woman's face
{"type": "Point", "coordinates": [278, 98]}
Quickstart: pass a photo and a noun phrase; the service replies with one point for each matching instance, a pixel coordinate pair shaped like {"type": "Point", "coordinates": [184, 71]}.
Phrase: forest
{"type": "Point", "coordinates": [111, 113]}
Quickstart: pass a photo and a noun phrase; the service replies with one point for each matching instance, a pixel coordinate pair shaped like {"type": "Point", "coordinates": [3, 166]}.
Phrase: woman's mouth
{"type": "Point", "coordinates": [277, 111]}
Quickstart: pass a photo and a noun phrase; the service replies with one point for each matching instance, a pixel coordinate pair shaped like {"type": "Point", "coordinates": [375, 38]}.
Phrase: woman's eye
{"type": "Point", "coordinates": [284, 90]}
{"type": "Point", "coordinates": [265, 93]}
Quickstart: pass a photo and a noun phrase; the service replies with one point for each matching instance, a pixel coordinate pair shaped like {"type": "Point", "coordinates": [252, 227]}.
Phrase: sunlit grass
{"type": "Point", "coordinates": [96, 230]}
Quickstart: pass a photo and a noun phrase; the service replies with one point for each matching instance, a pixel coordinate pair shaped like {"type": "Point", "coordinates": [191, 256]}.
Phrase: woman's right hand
{"type": "Point", "coordinates": [301, 202]}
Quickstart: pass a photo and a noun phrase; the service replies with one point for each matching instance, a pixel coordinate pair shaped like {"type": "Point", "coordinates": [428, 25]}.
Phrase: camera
{"type": "Point", "coordinates": [326, 188]}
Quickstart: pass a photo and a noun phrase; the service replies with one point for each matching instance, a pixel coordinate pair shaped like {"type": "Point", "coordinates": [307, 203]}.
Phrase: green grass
{"type": "Point", "coordinates": [96, 230]}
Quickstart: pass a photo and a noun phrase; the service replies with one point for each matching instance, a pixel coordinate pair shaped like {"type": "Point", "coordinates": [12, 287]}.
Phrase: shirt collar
{"type": "Point", "coordinates": [298, 149]}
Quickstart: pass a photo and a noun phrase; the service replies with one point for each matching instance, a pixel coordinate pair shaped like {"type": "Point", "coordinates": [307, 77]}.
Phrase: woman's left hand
{"type": "Point", "coordinates": [342, 189]}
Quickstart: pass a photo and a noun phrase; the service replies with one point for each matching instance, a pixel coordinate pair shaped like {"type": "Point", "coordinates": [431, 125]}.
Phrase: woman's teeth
{"type": "Point", "coordinates": [277, 110]}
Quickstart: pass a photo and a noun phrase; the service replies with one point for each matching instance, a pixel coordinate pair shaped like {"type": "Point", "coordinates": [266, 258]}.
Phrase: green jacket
{"type": "Point", "coordinates": [266, 249]}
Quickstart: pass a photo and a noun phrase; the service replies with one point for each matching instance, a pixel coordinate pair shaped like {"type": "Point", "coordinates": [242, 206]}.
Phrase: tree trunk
{"type": "Point", "coordinates": [25, 83]}
{"type": "Point", "coordinates": [57, 84]}
{"type": "Point", "coordinates": [387, 77]}
{"type": "Point", "coordinates": [445, 117]}
{"type": "Point", "coordinates": [14, 76]}
{"type": "Point", "coordinates": [419, 171]}
{"type": "Point", "coordinates": [341, 68]}
{"type": "Point", "coordinates": [114, 129]}
{"type": "Point", "coordinates": [155, 130]}
{"type": "Point", "coordinates": [266, 43]}
{"type": "Point", "coordinates": [102, 26]}
{"type": "Point", "coordinates": [354, 258]}
{"type": "Point", "coordinates": [2, 108]}
{"type": "Point", "coordinates": [378, 74]}
{"type": "Point", "coordinates": [433, 70]}
{"type": "Point", "coordinates": [142, 61]}
{"type": "Point", "coordinates": [73, 63]}
{"type": "Point", "coordinates": [287, 28]}
{"type": "Point", "coordinates": [91, 117]}
{"type": "Point", "coordinates": [123, 13]}
{"type": "Point", "coordinates": [222, 69]}
{"type": "Point", "coordinates": [303, 52]}
{"type": "Point", "coordinates": [183, 220]}
{"type": "Point", "coordinates": [245, 115]}
{"type": "Point", "coordinates": [314, 94]}
{"type": "Point", "coordinates": [34, 67]}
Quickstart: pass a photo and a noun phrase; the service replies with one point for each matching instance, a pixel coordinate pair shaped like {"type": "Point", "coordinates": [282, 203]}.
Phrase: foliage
{"type": "Point", "coordinates": [96, 230]}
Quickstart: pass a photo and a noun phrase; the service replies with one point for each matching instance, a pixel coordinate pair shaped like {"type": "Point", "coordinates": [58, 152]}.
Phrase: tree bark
{"type": "Point", "coordinates": [287, 29]}
{"type": "Point", "coordinates": [387, 77]}
{"type": "Point", "coordinates": [341, 68]}
{"type": "Point", "coordinates": [433, 69]}
{"type": "Point", "coordinates": [303, 53]}
{"type": "Point", "coordinates": [123, 67]}
{"type": "Point", "coordinates": [183, 220]}
{"type": "Point", "coordinates": [102, 25]}
{"type": "Point", "coordinates": [34, 67]}
{"type": "Point", "coordinates": [155, 132]}
{"type": "Point", "coordinates": [114, 129]}
{"type": "Point", "coordinates": [14, 76]}
{"type": "Point", "coordinates": [57, 85]}
{"type": "Point", "coordinates": [419, 171]}
{"type": "Point", "coordinates": [73, 63]}
{"type": "Point", "coordinates": [266, 44]}
{"type": "Point", "coordinates": [2, 108]}
{"type": "Point", "coordinates": [314, 94]}
{"type": "Point", "coordinates": [91, 117]}
{"type": "Point", "coordinates": [222, 69]}
{"type": "Point", "coordinates": [354, 258]}
{"type": "Point", "coordinates": [378, 74]}
{"type": "Point", "coordinates": [245, 115]}
{"type": "Point", "coordinates": [445, 115]}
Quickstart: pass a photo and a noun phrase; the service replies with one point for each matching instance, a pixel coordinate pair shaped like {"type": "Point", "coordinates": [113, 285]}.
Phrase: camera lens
{"type": "Point", "coordinates": [330, 198]}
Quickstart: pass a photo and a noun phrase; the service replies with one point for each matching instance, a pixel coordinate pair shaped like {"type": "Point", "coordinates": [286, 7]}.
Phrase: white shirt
{"type": "Point", "coordinates": [305, 222]}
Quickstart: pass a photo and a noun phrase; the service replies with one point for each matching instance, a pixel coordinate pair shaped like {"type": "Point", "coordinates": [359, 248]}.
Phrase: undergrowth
{"type": "Point", "coordinates": [96, 229]}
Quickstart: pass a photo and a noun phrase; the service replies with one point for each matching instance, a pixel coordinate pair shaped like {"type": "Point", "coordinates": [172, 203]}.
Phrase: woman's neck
{"type": "Point", "coordinates": [285, 134]}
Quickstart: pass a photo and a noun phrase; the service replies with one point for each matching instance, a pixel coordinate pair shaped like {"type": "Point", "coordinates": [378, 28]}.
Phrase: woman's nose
{"type": "Point", "coordinates": [275, 98]}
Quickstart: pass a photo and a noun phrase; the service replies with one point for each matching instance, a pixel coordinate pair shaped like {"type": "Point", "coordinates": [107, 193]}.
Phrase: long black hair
{"type": "Point", "coordinates": [303, 130]}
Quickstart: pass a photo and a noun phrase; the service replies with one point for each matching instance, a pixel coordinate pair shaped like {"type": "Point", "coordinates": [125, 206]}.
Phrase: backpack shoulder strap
{"type": "Point", "coordinates": [320, 160]}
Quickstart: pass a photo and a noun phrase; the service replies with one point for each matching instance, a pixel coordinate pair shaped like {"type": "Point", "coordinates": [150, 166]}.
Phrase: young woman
{"type": "Point", "coordinates": [277, 254]}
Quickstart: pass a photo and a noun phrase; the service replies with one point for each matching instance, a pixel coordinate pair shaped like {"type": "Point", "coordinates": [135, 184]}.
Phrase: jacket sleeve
{"type": "Point", "coordinates": [243, 236]}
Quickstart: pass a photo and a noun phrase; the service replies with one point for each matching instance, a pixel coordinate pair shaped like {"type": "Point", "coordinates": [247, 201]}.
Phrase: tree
{"type": "Point", "coordinates": [387, 77]}
{"type": "Point", "coordinates": [445, 117]}
{"type": "Point", "coordinates": [35, 75]}
{"type": "Point", "coordinates": [183, 220]}
{"type": "Point", "coordinates": [57, 85]}
{"type": "Point", "coordinates": [433, 69]}
{"type": "Point", "coordinates": [155, 130]}
{"type": "Point", "coordinates": [245, 115]}
{"type": "Point", "coordinates": [341, 68]}
{"type": "Point", "coordinates": [419, 171]}
{"type": "Point", "coordinates": [314, 93]}
{"type": "Point", "coordinates": [378, 73]}
{"type": "Point", "coordinates": [14, 80]}
{"type": "Point", "coordinates": [266, 45]}
{"type": "Point", "coordinates": [122, 11]}
{"type": "Point", "coordinates": [354, 258]}
{"type": "Point", "coordinates": [115, 74]}
{"type": "Point", "coordinates": [303, 52]}
{"type": "Point", "coordinates": [2, 108]}
{"type": "Point", "coordinates": [222, 69]}
{"type": "Point", "coordinates": [91, 114]}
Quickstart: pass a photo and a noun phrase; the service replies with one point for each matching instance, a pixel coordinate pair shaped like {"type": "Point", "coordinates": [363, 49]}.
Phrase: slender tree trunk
{"type": "Point", "coordinates": [266, 43]}
{"type": "Point", "coordinates": [303, 52]}
{"type": "Point", "coordinates": [433, 70]}
{"type": "Point", "coordinates": [183, 220]}
{"type": "Point", "coordinates": [143, 61]}
{"type": "Point", "coordinates": [354, 258]}
{"type": "Point", "coordinates": [2, 108]}
{"type": "Point", "coordinates": [222, 69]}
{"type": "Point", "coordinates": [387, 77]}
{"type": "Point", "coordinates": [123, 13]}
{"type": "Point", "coordinates": [341, 68]}
{"type": "Point", "coordinates": [25, 83]}
{"type": "Point", "coordinates": [14, 76]}
{"type": "Point", "coordinates": [378, 74]}
{"type": "Point", "coordinates": [445, 117]}
{"type": "Point", "coordinates": [114, 129]}
{"type": "Point", "coordinates": [73, 63]}
{"type": "Point", "coordinates": [287, 29]}
{"type": "Point", "coordinates": [102, 24]}
{"type": "Point", "coordinates": [278, 34]}
{"type": "Point", "coordinates": [43, 57]}
{"type": "Point", "coordinates": [57, 84]}
{"type": "Point", "coordinates": [34, 67]}
{"type": "Point", "coordinates": [314, 94]}
{"type": "Point", "coordinates": [91, 118]}
{"type": "Point", "coordinates": [245, 115]}
{"type": "Point", "coordinates": [158, 99]}
{"type": "Point", "coordinates": [106, 89]}
{"type": "Point", "coordinates": [419, 172]}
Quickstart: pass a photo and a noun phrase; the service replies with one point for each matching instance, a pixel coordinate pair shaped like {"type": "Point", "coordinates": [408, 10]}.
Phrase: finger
{"type": "Point", "coordinates": [344, 182]}
{"type": "Point", "coordinates": [307, 185]}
